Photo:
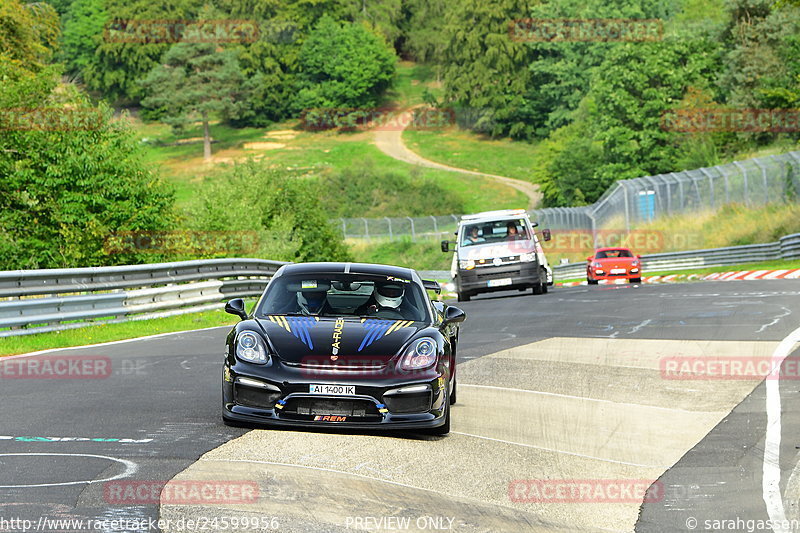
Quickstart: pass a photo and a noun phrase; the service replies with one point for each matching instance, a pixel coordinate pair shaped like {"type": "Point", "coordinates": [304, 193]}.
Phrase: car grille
{"type": "Point", "coordinates": [258, 398]}
{"type": "Point", "coordinates": [499, 273]}
{"type": "Point", "coordinates": [330, 406]}
{"type": "Point", "coordinates": [408, 403]}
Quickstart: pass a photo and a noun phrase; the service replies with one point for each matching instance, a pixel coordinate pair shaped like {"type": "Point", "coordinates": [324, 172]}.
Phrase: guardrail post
{"type": "Point", "coordinates": [413, 233]}
{"type": "Point", "coordinates": [344, 228]}
{"type": "Point", "coordinates": [366, 228]}
{"type": "Point", "coordinates": [435, 226]}
{"type": "Point", "coordinates": [389, 221]}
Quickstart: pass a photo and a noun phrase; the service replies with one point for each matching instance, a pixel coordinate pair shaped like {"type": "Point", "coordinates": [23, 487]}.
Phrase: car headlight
{"type": "Point", "coordinates": [634, 263]}
{"type": "Point", "coordinates": [466, 264]}
{"type": "Point", "coordinates": [250, 347]}
{"type": "Point", "coordinates": [421, 354]}
{"type": "Point", "coordinates": [528, 258]}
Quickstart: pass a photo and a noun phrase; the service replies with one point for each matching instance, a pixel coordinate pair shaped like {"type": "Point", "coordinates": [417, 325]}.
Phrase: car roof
{"type": "Point", "coordinates": [504, 214]}
{"type": "Point", "coordinates": [611, 248]}
{"type": "Point", "coordinates": [351, 268]}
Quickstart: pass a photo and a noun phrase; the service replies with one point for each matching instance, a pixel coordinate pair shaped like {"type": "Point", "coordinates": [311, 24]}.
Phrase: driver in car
{"type": "Point", "coordinates": [312, 302]}
{"type": "Point", "coordinates": [386, 301]}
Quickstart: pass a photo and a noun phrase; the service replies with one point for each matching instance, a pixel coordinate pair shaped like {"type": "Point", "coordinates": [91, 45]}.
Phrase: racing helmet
{"type": "Point", "coordinates": [311, 301]}
{"type": "Point", "coordinates": [389, 294]}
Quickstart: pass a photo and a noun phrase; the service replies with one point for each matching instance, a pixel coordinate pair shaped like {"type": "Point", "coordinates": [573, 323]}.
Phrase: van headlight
{"type": "Point", "coordinates": [466, 264]}
{"type": "Point", "coordinates": [250, 347]}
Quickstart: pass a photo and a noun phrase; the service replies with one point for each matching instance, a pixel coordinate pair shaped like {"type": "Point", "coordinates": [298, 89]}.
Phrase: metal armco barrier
{"type": "Point", "coordinates": [787, 247]}
{"type": "Point", "coordinates": [34, 301]}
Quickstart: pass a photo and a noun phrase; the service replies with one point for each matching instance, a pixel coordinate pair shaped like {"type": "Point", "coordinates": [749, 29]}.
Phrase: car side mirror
{"type": "Point", "coordinates": [445, 246]}
{"type": "Point", "coordinates": [453, 315]}
{"type": "Point", "coordinates": [638, 256]}
{"type": "Point", "coordinates": [589, 258]}
{"type": "Point", "coordinates": [236, 307]}
{"type": "Point", "coordinates": [546, 235]}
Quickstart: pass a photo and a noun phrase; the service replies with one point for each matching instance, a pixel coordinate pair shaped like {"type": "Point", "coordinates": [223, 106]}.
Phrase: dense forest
{"type": "Point", "coordinates": [596, 105]}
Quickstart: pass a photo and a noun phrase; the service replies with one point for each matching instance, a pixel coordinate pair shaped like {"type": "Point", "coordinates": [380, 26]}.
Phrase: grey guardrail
{"type": "Point", "coordinates": [786, 248]}
{"type": "Point", "coordinates": [35, 301]}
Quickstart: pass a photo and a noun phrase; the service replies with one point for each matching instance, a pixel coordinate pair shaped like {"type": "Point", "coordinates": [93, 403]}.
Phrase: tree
{"type": "Point", "coordinates": [484, 68]}
{"type": "Point", "coordinates": [195, 80]}
{"type": "Point", "coordinates": [343, 65]}
{"type": "Point", "coordinates": [28, 33]}
{"type": "Point", "coordinates": [83, 32]}
{"type": "Point", "coordinates": [423, 30]}
{"type": "Point", "coordinates": [120, 60]}
{"type": "Point", "coordinates": [72, 177]}
{"type": "Point", "coordinates": [631, 91]}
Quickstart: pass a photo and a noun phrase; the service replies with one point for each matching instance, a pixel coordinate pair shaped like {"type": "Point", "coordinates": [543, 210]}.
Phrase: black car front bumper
{"type": "Point", "coordinates": [279, 395]}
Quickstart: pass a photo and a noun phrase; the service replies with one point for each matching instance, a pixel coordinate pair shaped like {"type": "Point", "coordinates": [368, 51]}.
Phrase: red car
{"type": "Point", "coordinates": [613, 263]}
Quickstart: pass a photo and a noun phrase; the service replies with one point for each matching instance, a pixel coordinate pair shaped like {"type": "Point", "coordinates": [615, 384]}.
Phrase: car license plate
{"type": "Point", "coordinates": [499, 282]}
{"type": "Point", "coordinates": [332, 390]}
{"type": "Point", "coordinates": [618, 271]}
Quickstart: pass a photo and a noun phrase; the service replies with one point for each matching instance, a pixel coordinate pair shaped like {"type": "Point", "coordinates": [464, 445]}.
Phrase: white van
{"type": "Point", "coordinates": [496, 251]}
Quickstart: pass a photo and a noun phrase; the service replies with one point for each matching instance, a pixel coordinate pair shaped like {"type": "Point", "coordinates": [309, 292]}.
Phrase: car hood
{"type": "Point", "coordinates": [621, 261]}
{"type": "Point", "coordinates": [496, 249]}
{"type": "Point", "coordinates": [299, 339]}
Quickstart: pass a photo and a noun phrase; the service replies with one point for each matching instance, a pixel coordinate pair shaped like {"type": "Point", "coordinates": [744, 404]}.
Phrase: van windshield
{"type": "Point", "coordinates": [494, 231]}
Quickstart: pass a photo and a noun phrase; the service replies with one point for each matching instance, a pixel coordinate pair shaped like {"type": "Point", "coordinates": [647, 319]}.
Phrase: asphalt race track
{"type": "Point", "coordinates": [555, 391]}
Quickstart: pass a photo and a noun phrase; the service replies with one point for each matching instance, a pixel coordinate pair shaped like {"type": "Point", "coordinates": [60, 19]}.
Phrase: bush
{"type": "Point", "coordinates": [71, 180]}
{"type": "Point", "coordinates": [363, 191]}
{"type": "Point", "coordinates": [282, 209]}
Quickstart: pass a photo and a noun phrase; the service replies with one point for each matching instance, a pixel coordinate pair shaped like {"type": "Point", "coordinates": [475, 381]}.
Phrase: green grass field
{"type": "Point", "coordinates": [464, 149]}
{"type": "Point", "coordinates": [314, 152]}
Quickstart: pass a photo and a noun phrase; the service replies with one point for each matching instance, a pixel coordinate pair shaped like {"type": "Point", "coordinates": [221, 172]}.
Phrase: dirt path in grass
{"type": "Point", "coordinates": [390, 142]}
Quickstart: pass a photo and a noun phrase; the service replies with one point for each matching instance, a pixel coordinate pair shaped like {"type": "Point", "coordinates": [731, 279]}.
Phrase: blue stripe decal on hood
{"type": "Point", "coordinates": [300, 327]}
{"type": "Point", "coordinates": [375, 328]}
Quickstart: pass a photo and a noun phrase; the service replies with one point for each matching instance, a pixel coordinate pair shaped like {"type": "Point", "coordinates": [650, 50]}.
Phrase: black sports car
{"type": "Point", "coordinates": [343, 344]}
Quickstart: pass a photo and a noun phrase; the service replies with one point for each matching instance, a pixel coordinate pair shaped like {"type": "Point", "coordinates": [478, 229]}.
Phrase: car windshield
{"type": "Point", "coordinates": [612, 254]}
{"type": "Point", "coordinates": [494, 231]}
{"type": "Point", "coordinates": [345, 295]}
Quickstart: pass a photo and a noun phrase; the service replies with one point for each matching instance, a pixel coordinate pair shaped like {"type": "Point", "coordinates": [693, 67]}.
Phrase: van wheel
{"type": "Point", "coordinates": [543, 277]}
{"type": "Point", "coordinates": [537, 289]}
{"type": "Point", "coordinates": [463, 297]}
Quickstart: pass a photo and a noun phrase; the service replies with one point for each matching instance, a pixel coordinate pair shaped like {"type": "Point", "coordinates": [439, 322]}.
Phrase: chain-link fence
{"type": "Point", "coordinates": [628, 203]}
